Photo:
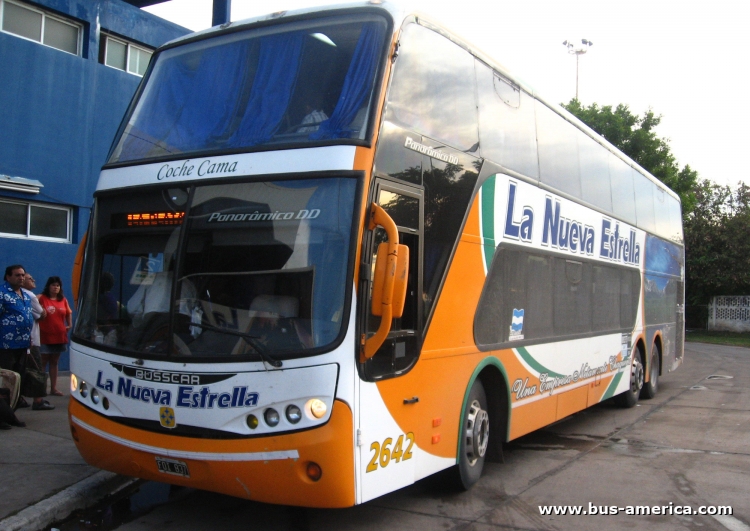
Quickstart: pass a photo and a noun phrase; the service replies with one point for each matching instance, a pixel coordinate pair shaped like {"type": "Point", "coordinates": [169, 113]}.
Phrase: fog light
{"type": "Point", "coordinates": [318, 408]}
{"type": "Point", "coordinates": [105, 403]}
{"type": "Point", "coordinates": [95, 396]}
{"type": "Point", "coordinates": [73, 383]}
{"type": "Point", "coordinates": [293, 414]}
{"type": "Point", "coordinates": [314, 472]}
{"type": "Point", "coordinates": [272, 417]}
{"type": "Point", "coordinates": [252, 422]}
{"type": "Point", "coordinates": [83, 389]}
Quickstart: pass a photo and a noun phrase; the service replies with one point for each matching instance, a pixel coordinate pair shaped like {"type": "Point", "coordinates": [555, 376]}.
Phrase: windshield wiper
{"type": "Point", "coordinates": [251, 340]}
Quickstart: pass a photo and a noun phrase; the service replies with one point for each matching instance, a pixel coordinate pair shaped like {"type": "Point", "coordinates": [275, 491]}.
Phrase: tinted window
{"type": "Point", "coordinates": [623, 195]}
{"type": "Point", "coordinates": [532, 296]}
{"type": "Point", "coordinates": [393, 160]}
{"type": "Point", "coordinates": [572, 297]}
{"type": "Point", "coordinates": [447, 192]}
{"type": "Point", "coordinates": [507, 129]}
{"type": "Point", "coordinates": [293, 83]}
{"type": "Point", "coordinates": [558, 151]}
{"type": "Point", "coordinates": [433, 88]}
{"type": "Point", "coordinates": [595, 182]}
{"type": "Point", "coordinates": [661, 213]}
{"type": "Point", "coordinates": [645, 191]}
{"type": "Point", "coordinates": [675, 219]}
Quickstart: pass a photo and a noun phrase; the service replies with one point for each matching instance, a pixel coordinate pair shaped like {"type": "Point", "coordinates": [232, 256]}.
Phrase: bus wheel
{"type": "Point", "coordinates": [630, 397]}
{"type": "Point", "coordinates": [652, 386]}
{"type": "Point", "coordinates": [475, 434]}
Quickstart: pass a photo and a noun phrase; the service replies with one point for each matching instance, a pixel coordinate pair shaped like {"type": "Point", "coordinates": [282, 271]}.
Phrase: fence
{"type": "Point", "coordinates": [730, 313]}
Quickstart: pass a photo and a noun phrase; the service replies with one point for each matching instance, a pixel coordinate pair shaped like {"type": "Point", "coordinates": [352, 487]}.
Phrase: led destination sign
{"type": "Point", "coordinates": [126, 220]}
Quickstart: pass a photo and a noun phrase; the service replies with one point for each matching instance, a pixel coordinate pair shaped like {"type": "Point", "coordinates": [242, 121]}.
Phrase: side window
{"type": "Point", "coordinates": [675, 220]}
{"type": "Point", "coordinates": [558, 151]}
{"type": "Point", "coordinates": [595, 181]}
{"type": "Point", "coordinates": [645, 191]}
{"type": "Point", "coordinates": [623, 195]}
{"type": "Point", "coordinates": [507, 129]}
{"type": "Point", "coordinates": [532, 296]}
{"type": "Point", "coordinates": [401, 349]}
{"type": "Point", "coordinates": [433, 89]}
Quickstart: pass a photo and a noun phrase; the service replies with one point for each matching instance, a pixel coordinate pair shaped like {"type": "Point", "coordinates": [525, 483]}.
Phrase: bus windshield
{"type": "Point", "coordinates": [249, 269]}
{"type": "Point", "coordinates": [297, 83]}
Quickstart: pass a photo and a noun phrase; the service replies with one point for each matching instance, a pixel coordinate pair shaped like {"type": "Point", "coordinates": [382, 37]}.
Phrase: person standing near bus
{"type": "Point", "coordinates": [39, 313]}
{"type": "Point", "coordinates": [54, 329]}
{"type": "Point", "coordinates": [16, 320]}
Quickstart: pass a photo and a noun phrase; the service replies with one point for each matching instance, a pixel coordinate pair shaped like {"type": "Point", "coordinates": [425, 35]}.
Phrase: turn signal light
{"type": "Point", "coordinates": [314, 472]}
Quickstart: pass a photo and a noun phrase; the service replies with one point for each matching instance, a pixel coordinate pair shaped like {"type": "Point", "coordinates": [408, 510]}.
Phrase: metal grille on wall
{"type": "Point", "coordinates": [730, 313]}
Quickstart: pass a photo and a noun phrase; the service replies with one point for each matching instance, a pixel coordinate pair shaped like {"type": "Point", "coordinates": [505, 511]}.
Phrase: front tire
{"type": "Point", "coordinates": [629, 398]}
{"type": "Point", "coordinates": [475, 435]}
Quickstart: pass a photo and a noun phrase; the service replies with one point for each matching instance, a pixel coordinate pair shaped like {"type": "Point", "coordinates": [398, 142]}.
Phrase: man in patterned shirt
{"type": "Point", "coordinates": [16, 320]}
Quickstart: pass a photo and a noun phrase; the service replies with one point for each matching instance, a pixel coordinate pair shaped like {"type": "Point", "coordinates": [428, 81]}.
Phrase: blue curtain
{"type": "Point", "coordinates": [357, 84]}
{"type": "Point", "coordinates": [193, 104]}
{"type": "Point", "coordinates": [270, 95]}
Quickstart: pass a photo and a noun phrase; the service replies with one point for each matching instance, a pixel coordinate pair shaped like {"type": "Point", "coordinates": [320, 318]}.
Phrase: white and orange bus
{"type": "Point", "coordinates": [334, 251]}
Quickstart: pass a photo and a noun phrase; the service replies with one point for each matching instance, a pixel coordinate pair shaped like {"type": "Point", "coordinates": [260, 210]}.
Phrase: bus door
{"type": "Point", "coordinates": [381, 441]}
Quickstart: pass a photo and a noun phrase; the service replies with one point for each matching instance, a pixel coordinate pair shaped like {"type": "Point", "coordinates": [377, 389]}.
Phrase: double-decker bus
{"type": "Point", "coordinates": [334, 251]}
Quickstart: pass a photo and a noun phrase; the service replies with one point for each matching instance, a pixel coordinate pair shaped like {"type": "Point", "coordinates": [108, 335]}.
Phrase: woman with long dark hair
{"type": "Point", "coordinates": [54, 329]}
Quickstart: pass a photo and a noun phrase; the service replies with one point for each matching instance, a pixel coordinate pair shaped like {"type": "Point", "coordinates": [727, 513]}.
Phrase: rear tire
{"type": "Point", "coordinates": [652, 386]}
{"type": "Point", "coordinates": [629, 398]}
{"type": "Point", "coordinates": [475, 434]}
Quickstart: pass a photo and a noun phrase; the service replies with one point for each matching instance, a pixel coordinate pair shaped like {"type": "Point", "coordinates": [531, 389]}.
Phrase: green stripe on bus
{"type": "Point", "coordinates": [609, 393]}
{"type": "Point", "coordinates": [488, 220]}
{"type": "Point", "coordinates": [541, 369]}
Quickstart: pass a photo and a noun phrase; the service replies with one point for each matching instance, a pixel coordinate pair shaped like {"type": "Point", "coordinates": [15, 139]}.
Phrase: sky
{"type": "Point", "coordinates": [685, 60]}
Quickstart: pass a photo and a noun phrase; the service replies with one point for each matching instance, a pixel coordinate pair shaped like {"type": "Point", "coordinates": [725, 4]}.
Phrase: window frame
{"type": "Point", "coordinates": [104, 43]}
{"type": "Point", "coordinates": [28, 235]}
{"type": "Point", "coordinates": [45, 14]}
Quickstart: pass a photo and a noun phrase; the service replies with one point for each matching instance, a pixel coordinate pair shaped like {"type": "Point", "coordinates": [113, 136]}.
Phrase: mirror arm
{"type": "Point", "coordinates": [378, 216]}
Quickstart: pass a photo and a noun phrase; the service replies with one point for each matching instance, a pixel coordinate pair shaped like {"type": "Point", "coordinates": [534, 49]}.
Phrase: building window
{"type": "Point", "coordinates": [34, 221]}
{"type": "Point", "coordinates": [124, 55]}
{"type": "Point", "coordinates": [36, 25]}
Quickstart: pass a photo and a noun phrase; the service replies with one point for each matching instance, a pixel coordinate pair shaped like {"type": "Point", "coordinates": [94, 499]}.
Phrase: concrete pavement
{"type": "Point", "coordinates": [43, 477]}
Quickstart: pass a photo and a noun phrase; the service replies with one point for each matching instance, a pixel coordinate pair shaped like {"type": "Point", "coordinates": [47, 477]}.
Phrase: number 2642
{"type": "Point", "coordinates": [383, 454]}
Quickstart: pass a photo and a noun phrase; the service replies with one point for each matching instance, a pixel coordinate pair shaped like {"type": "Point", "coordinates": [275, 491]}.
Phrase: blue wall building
{"type": "Point", "coordinates": [68, 70]}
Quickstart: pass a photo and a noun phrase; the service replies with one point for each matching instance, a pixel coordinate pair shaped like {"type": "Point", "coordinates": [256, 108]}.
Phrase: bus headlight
{"type": "Point", "coordinates": [318, 408]}
{"type": "Point", "coordinates": [95, 396]}
{"type": "Point", "coordinates": [83, 389]}
{"type": "Point", "coordinates": [73, 383]}
{"type": "Point", "coordinates": [293, 414]}
{"type": "Point", "coordinates": [252, 422]}
{"type": "Point", "coordinates": [272, 417]}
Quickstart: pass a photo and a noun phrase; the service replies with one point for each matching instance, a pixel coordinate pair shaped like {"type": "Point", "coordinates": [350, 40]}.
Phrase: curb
{"type": "Point", "coordinates": [56, 508]}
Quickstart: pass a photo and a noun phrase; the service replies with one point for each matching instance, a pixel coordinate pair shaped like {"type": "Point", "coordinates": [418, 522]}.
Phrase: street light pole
{"type": "Point", "coordinates": [578, 51]}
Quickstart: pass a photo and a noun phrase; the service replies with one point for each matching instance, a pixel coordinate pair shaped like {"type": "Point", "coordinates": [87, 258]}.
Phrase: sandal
{"type": "Point", "coordinates": [55, 392]}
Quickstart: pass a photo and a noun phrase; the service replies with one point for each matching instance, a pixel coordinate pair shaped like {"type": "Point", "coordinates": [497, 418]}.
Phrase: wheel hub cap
{"type": "Point", "coordinates": [477, 432]}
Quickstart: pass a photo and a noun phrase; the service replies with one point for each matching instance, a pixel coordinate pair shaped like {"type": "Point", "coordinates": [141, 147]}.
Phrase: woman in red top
{"type": "Point", "coordinates": [54, 329]}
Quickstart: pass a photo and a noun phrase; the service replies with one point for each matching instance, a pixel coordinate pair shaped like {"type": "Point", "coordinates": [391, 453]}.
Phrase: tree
{"type": "Point", "coordinates": [717, 246]}
{"type": "Point", "coordinates": [635, 136]}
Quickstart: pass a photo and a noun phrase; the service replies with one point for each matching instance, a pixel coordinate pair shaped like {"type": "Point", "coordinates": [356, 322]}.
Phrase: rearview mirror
{"type": "Point", "coordinates": [398, 298]}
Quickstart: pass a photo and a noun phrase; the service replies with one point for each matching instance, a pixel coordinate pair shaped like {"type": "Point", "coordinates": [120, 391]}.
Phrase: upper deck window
{"type": "Point", "coordinates": [295, 83]}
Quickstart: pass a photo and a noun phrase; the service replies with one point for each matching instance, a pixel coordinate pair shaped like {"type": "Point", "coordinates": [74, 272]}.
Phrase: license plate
{"type": "Point", "coordinates": [172, 466]}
